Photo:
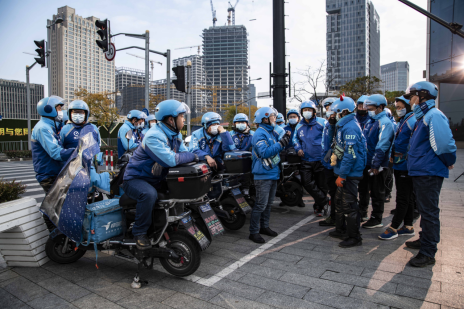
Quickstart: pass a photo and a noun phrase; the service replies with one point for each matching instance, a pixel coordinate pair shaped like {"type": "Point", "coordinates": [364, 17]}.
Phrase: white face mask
{"type": "Point", "coordinates": [308, 114]}
{"type": "Point", "coordinates": [329, 113]}
{"type": "Point", "coordinates": [241, 127]}
{"type": "Point", "coordinates": [141, 125]}
{"type": "Point", "coordinates": [293, 121]}
{"type": "Point", "coordinates": [401, 112]}
{"type": "Point", "coordinates": [59, 117]}
{"type": "Point", "coordinates": [77, 118]}
{"type": "Point", "coordinates": [151, 124]}
{"type": "Point", "coordinates": [214, 130]}
{"type": "Point", "coordinates": [371, 113]}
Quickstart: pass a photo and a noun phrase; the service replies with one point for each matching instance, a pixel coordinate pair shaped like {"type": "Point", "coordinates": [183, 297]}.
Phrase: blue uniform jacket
{"type": "Point", "coordinates": [328, 135]}
{"type": "Point", "coordinates": [69, 134]}
{"type": "Point", "coordinates": [290, 128]}
{"type": "Point", "coordinates": [432, 148]}
{"type": "Point", "coordinates": [379, 133]}
{"type": "Point", "coordinates": [308, 136]}
{"type": "Point", "coordinates": [362, 120]}
{"type": "Point", "coordinates": [215, 147]}
{"type": "Point", "coordinates": [243, 141]}
{"type": "Point", "coordinates": [265, 146]}
{"type": "Point", "coordinates": [278, 132]}
{"type": "Point", "coordinates": [401, 140]}
{"type": "Point", "coordinates": [48, 156]}
{"type": "Point", "coordinates": [350, 138]}
{"type": "Point", "coordinates": [124, 143]}
{"type": "Point", "coordinates": [160, 150]}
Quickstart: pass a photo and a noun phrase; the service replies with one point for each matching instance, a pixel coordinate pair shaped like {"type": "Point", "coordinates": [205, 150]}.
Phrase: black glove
{"type": "Point", "coordinates": [196, 158]}
{"type": "Point", "coordinates": [284, 140]}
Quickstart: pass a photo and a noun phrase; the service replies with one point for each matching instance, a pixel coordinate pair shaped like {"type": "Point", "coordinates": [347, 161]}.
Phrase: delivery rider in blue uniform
{"type": "Point", "coordinates": [349, 160]}
{"type": "Point", "coordinates": [79, 116]}
{"type": "Point", "coordinates": [280, 121]}
{"type": "Point", "coordinates": [293, 118]}
{"type": "Point", "coordinates": [129, 136]}
{"type": "Point", "coordinates": [241, 133]}
{"type": "Point", "coordinates": [150, 121]}
{"type": "Point", "coordinates": [362, 113]}
{"type": "Point", "coordinates": [431, 154]}
{"type": "Point", "coordinates": [160, 149]}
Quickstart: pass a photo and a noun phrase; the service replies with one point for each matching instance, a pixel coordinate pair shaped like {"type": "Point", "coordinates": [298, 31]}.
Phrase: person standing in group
{"type": "Point", "coordinates": [242, 138]}
{"type": "Point", "coordinates": [362, 113]}
{"type": "Point", "coordinates": [431, 154]}
{"type": "Point", "coordinates": [293, 118]}
{"type": "Point", "coordinates": [128, 135]}
{"type": "Point", "coordinates": [280, 121]}
{"type": "Point", "coordinates": [379, 133]}
{"type": "Point", "coordinates": [79, 115]}
{"type": "Point", "coordinates": [150, 121]}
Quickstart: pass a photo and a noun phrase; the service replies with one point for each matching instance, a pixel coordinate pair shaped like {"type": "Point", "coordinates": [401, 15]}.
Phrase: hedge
{"type": "Point", "coordinates": [11, 190]}
{"type": "Point", "coordinates": [18, 154]}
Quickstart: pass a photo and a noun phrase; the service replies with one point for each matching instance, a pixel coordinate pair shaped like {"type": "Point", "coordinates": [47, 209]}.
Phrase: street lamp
{"type": "Point", "coordinates": [58, 20]}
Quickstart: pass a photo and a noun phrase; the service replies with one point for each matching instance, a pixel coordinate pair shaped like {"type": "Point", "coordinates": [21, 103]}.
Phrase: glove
{"type": "Point", "coordinates": [333, 160]}
{"type": "Point", "coordinates": [196, 158]}
{"type": "Point", "coordinates": [339, 182]}
{"type": "Point", "coordinates": [284, 141]}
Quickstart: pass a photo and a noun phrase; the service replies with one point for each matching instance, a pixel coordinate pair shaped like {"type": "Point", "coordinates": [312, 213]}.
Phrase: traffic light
{"type": "Point", "coordinates": [41, 52]}
{"type": "Point", "coordinates": [180, 83]}
{"type": "Point", "coordinates": [104, 34]}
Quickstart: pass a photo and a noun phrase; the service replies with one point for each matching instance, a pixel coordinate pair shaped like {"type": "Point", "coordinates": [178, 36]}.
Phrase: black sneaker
{"type": "Point", "coordinates": [338, 234]}
{"type": "Point", "coordinates": [143, 242]}
{"type": "Point", "coordinates": [422, 260]}
{"type": "Point", "coordinates": [327, 222]}
{"type": "Point", "coordinates": [393, 211]}
{"type": "Point", "coordinates": [372, 223]}
{"type": "Point", "coordinates": [350, 242]}
{"type": "Point", "coordinates": [413, 244]}
{"type": "Point", "coordinates": [267, 231]}
{"type": "Point", "coordinates": [256, 238]}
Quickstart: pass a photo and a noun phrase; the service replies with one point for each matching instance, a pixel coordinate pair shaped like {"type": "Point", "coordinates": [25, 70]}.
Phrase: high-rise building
{"type": "Point", "coordinates": [13, 99]}
{"type": "Point", "coordinates": [395, 76]}
{"type": "Point", "coordinates": [158, 88]}
{"type": "Point", "coordinates": [128, 76]}
{"type": "Point", "coordinates": [352, 41]}
{"type": "Point", "coordinates": [225, 57]}
{"type": "Point", "coordinates": [77, 61]}
{"type": "Point", "coordinates": [252, 95]}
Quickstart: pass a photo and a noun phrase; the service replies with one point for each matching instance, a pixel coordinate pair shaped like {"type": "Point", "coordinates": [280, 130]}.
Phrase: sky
{"type": "Point", "coordinates": [179, 23]}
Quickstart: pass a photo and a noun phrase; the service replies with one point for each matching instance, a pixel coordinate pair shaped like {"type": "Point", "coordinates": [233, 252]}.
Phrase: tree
{"type": "Point", "coordinates": [365, 85]}
{"type": "Point", "coordinates": [312, 77]}
{"type": "Point", "coordinates": [231, 112]}
{"type": "Point", "coordinates": [154, 100]}
{"type": "Point", "coordinates": [391, 95]}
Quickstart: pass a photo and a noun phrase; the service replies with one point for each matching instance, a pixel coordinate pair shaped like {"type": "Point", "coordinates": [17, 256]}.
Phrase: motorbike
{"type": "Point", "coordinates": [289, 188]}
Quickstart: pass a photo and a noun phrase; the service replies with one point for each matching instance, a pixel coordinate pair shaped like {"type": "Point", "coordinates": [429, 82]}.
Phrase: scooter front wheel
{"type": "Point", "coordinates": [187, 249]}
{"type": "Point", "coordinates": [61, 250]}
{"type": "Point", "coordinates": [236, 220]}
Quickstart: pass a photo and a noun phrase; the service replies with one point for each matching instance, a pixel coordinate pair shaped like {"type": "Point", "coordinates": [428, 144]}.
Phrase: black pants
{"type": "Point", "coordinates": [47, 185]}
{"type": "Point", "coordinates": [374, 187]}
{"type": "Point", "coordinates": [405, 199]}
{"type": "Point", "coordinates": [347, 208]}
{"type": "Point", "coordinates": [313, 180]}
{"type": "Point", "coordinates": [331, 188]}
{"type": "Point", "coordinates": [389, 180]}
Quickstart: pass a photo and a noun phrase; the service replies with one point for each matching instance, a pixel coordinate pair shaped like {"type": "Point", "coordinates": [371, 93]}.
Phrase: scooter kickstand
{"type": "Point", "coordinates": [137, 282]}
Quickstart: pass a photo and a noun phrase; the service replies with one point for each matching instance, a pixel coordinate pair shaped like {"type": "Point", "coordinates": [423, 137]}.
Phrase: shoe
{"type": "Point", "coordinates": [393, 211]}
{"type": "Point", "coordinates": [372, 223]}
{"type": "Point", "coordinates": [327, 222]}
{"type": "Point", "coordinates": [416, 215]}
{"type": "Point", "coordinates": [350, 242]}
{"type": "Point", "coordinates": [338, 234]}
{"type": "Point", "coordinates": [365, 217]}
{"type": "Point", "coordinates": [389, 234]}
{"type": "Point", "coordinates": [387, 200]}
{"type": "Point", "coordinates": [422, 260]}
{"type": "Point", "coordinates": [319, 213]}
{"type": "Point", "coordinates": [143, 242]}
{"type": "Point", "coordinates": [257, 238]}
{"type": "Point", "coordinates": [267, 231]}
{"type": "Point", "coordinates": [404, 231]}
{"type": "Point", "coordinates": [413, 244]}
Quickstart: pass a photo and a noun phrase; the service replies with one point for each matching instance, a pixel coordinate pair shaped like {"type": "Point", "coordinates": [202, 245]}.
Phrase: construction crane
{"type": "Point", "coordinates": [151, 61]}
{"type": "Point", "coordinates": [213, 13]}
{"type": "Point", "coordinates": [198, 46]}
{"type": "Point", "coordinates": [233, 10]}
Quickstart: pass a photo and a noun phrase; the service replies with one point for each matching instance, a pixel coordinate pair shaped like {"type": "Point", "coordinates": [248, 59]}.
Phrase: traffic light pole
{"type": "Point", "coordinates": [168, 73]}
{"type": "Point", "coordinates": [28, 98]}
{"type": "Point", "coordinates": [49, 56]}
{"type": "Point", "coordinates": [147, 61]}
{"type": "Point", "coordinates": [279, 62]}
{"type": "Point", "coordinates": [188, 95]}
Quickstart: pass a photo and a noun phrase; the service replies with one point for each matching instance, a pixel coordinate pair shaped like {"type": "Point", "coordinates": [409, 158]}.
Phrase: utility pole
{"type": "Point", "coordinates": [188, 95]}
{"type": "Point", "coordinates": [147, 62]}
{"type": "Point", "coordinates": [168, 73]}
{"type": "Point", "coordinates": [279, 67]}
{"type": "Point", "coordinates": [49, 57]}
{"type": "Point", "coordinates": [28, 98]}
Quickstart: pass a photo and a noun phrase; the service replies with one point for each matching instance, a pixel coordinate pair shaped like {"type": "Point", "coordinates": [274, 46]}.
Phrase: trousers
{"type": "Point", "coordinates": [313, 180]}
{"type": "Point", "coordinates": [374, 187]}
{"type": "Point", "coordinates": [261, 212]}
{"type": "Point", "coordinates": [347, 208]}
{"type": "Point", "coordinates": [47, 185]}
{"type": "Point", "coordinates": [405, 199]}
{"type": "Point", "coordinates": [331, 188]}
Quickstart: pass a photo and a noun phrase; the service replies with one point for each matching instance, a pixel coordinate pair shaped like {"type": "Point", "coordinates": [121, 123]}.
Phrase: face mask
{"type": "Point", "coordinates": [59, 117]}
{"type": "Point", "coordinates": [241, 127]}
{"type": "Point", "coordinates": [151, 125]}
{"type": "Point", "coordinates": [214, 130]}
{"type": "Point", "coordinates": [141, 125]}
{"type": "Point", "coordinates": [308, 114]}
{"type": "Point", "coordinates": [332, 121]}
{"type": "Point", "coordinates": [293, 121]}
{"type": "Point", "coordinates": [371, 113]}
{"type": "Point", "coordinates": [77, 118]}
{"type": "Point", "coordinates": [402, 112]}
{"type": "Point", "coordinates": [362, 112]}
{"type": "Point", "coordinates": [328, 114]}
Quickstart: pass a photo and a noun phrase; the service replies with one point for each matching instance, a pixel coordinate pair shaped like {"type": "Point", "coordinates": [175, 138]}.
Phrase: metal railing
{"type": "Point", "coordinates": [13, 146]}
{"type": "Point", "coordinates": [109, 141]}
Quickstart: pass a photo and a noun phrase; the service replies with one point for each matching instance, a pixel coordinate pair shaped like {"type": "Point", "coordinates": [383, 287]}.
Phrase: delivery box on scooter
{"type": "Point", "coordinates": [238, 162]}
{"type": "Point", "coordinates": [189, 181]}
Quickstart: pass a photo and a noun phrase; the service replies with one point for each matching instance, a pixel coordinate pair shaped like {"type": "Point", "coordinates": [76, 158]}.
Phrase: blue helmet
{"type": "Point", "coordinates": [293, 111]}
{"type": "Point", "coordinates": [79, 105]}
{"type": "Point", "coordinates": [170, 107]}
{"type": "Point", "coordinates": [375, 100]}
{"type": "Point", "coordinates": [136, 114]}
{"type": "Point", "coordinates": [422, 89]}
{"type": "Point", "coordinates": [344, 103]}
{"type": "Point", "coordinates": [47, 106]}
{"type": "Point", "coordinates": [241, 117]}
{"type": "Point", "coordinates": [264, 112]}
{"type": "Point", "coordinates": [280, 118]}
{"type": "Point", "coordinates": [151, 117]}
{"type": "Point", "coordinates": [307, 104]}
{"type": "Point", "coordinates": [403, 99]}
{"type": "Point", "coordinates": [328, 101]}
{"type": "Point", "coordinates": [210, 118]}
{"type": "Point", "coordinates": [362, 99]}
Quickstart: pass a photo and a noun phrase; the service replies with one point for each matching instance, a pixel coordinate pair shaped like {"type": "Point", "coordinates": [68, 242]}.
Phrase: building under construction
{"type": "Point", "coordinates": [225, 58]}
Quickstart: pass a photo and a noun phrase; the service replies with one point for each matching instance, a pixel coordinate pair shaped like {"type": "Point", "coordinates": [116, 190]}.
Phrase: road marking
{"type": "Point", "coordinates": [15, 169]}
{"type": "Point", "coordinates": [34, 196]}
{"type": "Point", "coordinates": [22, 173]}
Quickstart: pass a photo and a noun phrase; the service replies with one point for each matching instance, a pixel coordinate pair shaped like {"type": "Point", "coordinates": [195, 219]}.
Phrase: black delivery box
{"type": "Point", "coordinates": [238, 162]}
{"type": "Point", "coordinates": [189, 181]}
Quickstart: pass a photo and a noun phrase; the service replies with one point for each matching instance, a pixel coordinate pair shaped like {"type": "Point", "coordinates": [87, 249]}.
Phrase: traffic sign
{"type": "Point", "coordinates": [111, 53]}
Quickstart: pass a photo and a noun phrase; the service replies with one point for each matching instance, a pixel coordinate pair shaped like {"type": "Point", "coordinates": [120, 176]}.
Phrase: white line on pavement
{"type": "Point", "coordinates": [34, 196]}
{"type": "Point", "coordinates": [22, 173]}
{"type": "Point", "coordinates": [15, 168]}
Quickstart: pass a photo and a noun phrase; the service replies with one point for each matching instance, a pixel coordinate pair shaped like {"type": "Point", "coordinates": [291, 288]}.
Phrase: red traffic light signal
{"type": "Point", "coordinates": [104, 33]}
{"type": "Point", "coordinates": [41, 52]}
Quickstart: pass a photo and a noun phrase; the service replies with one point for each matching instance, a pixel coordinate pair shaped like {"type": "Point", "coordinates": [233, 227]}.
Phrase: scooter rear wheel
{"type": "Point", "coordinates": [292, 196]}
{"type": "Point", "coordinates": [237, 219]}
{"type": "Point", "coordinates": [189, 251]}
{"type": "Point", "coordinates": [61, 250]}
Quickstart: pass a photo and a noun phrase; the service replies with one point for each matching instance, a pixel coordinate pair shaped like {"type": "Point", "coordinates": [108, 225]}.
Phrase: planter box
{"type": "Point", "coordinates": [23, 234]}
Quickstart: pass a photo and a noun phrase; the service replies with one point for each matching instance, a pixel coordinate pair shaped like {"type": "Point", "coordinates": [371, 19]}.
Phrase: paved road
{"type": "Point", "coordinates": [23, 171]}
{"type": "Point", "coordinates": [304, 268]}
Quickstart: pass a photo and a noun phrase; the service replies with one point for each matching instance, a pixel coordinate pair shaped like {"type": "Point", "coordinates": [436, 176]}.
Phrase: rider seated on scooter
{"type": "Point", "coordinates": [242, 137]}
{"type": "Point", "coordinates": [211, 141]}
{"type": "Point", "coordinates": [161, 148]}
{"type": "Point", "coordinates": [129, 136]}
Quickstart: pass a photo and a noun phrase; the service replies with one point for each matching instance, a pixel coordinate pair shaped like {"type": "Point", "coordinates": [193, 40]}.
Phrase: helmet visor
{"type": "Point", "coordinates": [56, 100]}
{"type": "Point", "coordinates": [183, 108]}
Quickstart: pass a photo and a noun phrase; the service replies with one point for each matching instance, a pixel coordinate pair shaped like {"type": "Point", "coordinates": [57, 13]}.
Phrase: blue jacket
{"type": "Point", "coordinates": [124, 143]}
{"type": "Point", "coordinates": [290, 128]}
{"type": "Point", "coordinates": [160, 150]}
{"type": "Point", "coordinates": [243, 141]}
{"type": "Point", "coordinates": [69, 134]}
{"type": "Point", "coordinates": [379, 133]}
{"type": "Point", "coordinates": [362, 120]}
{"type": "Point", "coordinates": [349, 137]}
{"type": "Point", "coordinates": [308, 136]}
{"type": "Point", "coordinates": [215, 147]}
{"type": "Point", "coordinates": [432, 148]}
{"type": "Point", "coordinates": [144, 132]}
{"type": "Point", "coordinates": [278, 132]}
{"type": "Point", "coordinates": [328, 135]}
{"type": "Point", "coordinates": [401, 140]}
{"type": "Point", "coordinates": [265, 146]}
{"type": "Point", "coordinates": [48, 156]}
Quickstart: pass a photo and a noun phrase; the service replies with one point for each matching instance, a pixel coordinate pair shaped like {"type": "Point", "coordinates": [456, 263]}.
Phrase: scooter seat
{"type": "Point", "coordinates": [127, 203]}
